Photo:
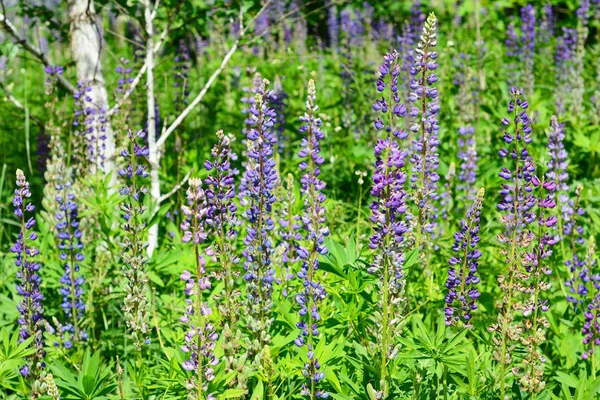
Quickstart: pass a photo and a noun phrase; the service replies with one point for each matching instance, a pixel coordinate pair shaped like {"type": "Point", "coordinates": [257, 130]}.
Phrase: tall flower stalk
{"type": "Point", "coordinates": [425, 126]}
{"type": "Point", "coordinates": [256, 191]}
{"type": "Point", "coordinates": [314, 231]}
{"type": "Point", "coordinates": [536, 268]}
{"type": "Point", "coordinates": [200, 338]}
{"type": "Point", "coordinates": [221, 223]}
{"type": "Point", "coordinates": [462, 275]}
{"type": "Point", "coordinates": [70, 246]}
{"type": "Point", "coordinates": [133, 206]}
{"type": "Point", "coordinates": [31, 313]}
{"type": "Point", "coordinates": [388, 209]}
{"type": "Point", "coordinates": [516, 208]}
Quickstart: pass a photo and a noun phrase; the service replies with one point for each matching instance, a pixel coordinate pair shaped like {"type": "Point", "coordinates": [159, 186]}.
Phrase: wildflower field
{"type": "Point", "coordinates": [286, 199]}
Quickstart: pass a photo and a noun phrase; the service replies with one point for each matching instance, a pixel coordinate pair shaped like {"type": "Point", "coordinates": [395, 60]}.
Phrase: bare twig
{"type": "Point", "coordinates": [166, 133]}
{"type": "Point", "coordinates": [176, 187]}
{"type": "Point", "coordinates": [12, 31]}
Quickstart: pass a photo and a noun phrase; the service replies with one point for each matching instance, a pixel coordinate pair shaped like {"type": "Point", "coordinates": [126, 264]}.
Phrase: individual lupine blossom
{"type": "Point", "coordinates": [312, 224]}
{"type": "Point", "coordinates": [200, 337]}
{"type": "Point", "coordinates": [591, 328]}
{"type": "Point", "coordinates": [256, 192]}
{"type": "Point", "coordinates": [70, 244]}
{"type": "Point", "coordinates": [532, 330]}
{"type": "Point", "coordinates": [424, 125]}
{"type": "Point", "coordinates": [182, 68]}
{"type": "Point", "coordinates": [133, 192]}
{"type": "Point", "coordinates": [516, 214]}
{"type": "Point", "coordinates": [462, 274]}
{"type": "Point", "coordinates": [333, 26]}
{"type": "Point", "coordinates": [389, 209]}
{"type": "Point", "coordinates": [527, 44]}
{"type": "Point", "coordinates": [578, 83]}
{"type": "Point", "coordinates": [279, 104]}
{"type": "Point", "coordinates": [566, 48]}
{"type": "Point", "coordinates": [31, 320]}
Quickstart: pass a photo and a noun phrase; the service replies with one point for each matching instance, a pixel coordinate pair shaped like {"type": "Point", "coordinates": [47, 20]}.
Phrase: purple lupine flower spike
{"type": "Point", "coordinates": [31, 320]}
{"type": "Point", "coordinates": [580, 274]}
{"type": "Point", "coordinates": [221, 223]}
{"type": "Point", "coordinates": [70, 244]}
{"type": "Point", "coordinates": [256, 191]}
{"type": "Point", "coordinates": [518, 213]}
{"type": "Point", "coordinates": [200, 337]}
{"type": "Point", "coordinates": [424, 124]}
{"type": "Point", "coordinates": [182, 68]}
{"type": "Point", "coordinates": [133, 206]}
{"type": "Point", "coordinates": [577, 94]}
{"type": "Point", "coordinates": [333, 26]}
{"type": "Point", "coordinates": [389, 209]}
{"type": "Point", "coordinates": [566, 49]}
{"type": "Point", "coordinates": [557, 172]}
{"type": "Point", "coordinates": [462, 274]}
{"type": "Point", "coordinates": [279, 104]}
{"type": "Point", "coordinates": [527, 43]}
{"type": "Point", "coordinates": [315, 231]}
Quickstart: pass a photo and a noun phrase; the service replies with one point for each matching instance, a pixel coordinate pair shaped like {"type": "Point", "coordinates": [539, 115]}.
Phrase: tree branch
{"type": "Point", "coordinates": [12, 31]}
{"type": "Point", "coordinates": [142, 71]}
{"type": "Point", "coordinates": [166, 133]}
{"type": "Point", "coordinates": [176, 187]}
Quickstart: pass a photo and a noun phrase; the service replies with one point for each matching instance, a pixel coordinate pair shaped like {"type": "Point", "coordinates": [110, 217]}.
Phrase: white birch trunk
{"type": "Point", "coordinates": [153, 153]}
